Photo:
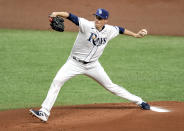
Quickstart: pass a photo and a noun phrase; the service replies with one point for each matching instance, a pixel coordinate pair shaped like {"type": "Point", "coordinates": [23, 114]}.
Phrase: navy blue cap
{"type": "Point", "coordinates": [104, 14]}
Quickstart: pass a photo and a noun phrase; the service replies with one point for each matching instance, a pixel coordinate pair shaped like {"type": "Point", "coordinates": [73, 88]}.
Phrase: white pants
{"type": "Point", "coordinates": [94, 70]}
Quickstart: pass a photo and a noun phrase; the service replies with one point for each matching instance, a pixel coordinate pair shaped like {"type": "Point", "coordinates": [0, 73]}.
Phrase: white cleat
{"type": "Point", "coordinates": [39, 114]}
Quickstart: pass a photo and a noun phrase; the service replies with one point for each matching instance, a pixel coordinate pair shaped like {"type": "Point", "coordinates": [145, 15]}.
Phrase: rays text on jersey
{"type": "Point", "coordinates": [96, 40]}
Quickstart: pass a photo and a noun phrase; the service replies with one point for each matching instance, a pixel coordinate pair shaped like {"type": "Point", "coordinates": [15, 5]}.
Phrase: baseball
{"type": "Point", "coordinates": [144, 32]}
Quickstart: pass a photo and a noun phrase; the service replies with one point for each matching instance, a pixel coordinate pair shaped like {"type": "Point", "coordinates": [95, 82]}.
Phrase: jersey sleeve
{"type": "Point", "coordinates": [73, 18]}
{"type": "Point", "coordinates": [114, 32]}
{"type": "Point", "coordinates": [83, 24]}
{"type": "Point", "coordinates": [121, 30]}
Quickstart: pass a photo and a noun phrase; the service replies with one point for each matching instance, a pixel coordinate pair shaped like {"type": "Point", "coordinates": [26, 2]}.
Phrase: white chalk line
{"type": "Point", "coordinates": [159, 109]}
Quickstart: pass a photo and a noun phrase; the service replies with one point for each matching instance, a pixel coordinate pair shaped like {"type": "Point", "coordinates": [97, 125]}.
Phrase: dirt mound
{"type": "Point", "coordinates": [98, 117]}
{"type": "Point", "coordinates": [164, 17]}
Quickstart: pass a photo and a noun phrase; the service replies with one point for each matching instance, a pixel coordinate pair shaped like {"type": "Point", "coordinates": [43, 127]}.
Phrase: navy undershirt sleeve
{"type": "Point", "coordinates": [73, 18]}
{"type": "Point", "coordinates": [121, 30]}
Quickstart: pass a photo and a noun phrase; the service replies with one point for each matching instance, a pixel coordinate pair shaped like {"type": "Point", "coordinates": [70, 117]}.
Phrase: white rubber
{"type": "Point", "coordinates": [159, 109]}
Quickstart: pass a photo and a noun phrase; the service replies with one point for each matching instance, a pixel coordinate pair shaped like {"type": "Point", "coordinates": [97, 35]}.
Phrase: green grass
{"type": "Point", "coordinates": [151, 67]}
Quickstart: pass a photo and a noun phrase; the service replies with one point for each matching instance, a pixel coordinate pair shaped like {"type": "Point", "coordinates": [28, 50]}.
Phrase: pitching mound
{"type": "Point", "coordinates": [99, 117]}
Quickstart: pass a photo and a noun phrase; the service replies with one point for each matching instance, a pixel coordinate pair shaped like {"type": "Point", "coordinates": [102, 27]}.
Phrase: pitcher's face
{"type": "Point", "coordinates": [99, 22]}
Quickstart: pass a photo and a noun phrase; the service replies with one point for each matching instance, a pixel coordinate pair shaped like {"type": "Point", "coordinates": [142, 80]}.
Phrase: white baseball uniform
{"type": "Point", "coordinates": [88, 47]}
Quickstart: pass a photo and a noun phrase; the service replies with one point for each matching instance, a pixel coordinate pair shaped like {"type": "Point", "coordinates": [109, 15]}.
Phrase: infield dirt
{"type": "Point", "coordinates": [98, 117]}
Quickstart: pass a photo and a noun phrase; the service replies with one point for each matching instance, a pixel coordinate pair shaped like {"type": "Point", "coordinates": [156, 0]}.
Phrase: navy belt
{"type": "Point", "coordinates": [81, 61]}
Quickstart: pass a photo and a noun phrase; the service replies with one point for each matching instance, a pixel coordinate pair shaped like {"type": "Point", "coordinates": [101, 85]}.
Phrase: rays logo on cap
{"type": "Point", "coordinates": [100, 11]}
{"type": "Point", "coordinates": [104, 14]}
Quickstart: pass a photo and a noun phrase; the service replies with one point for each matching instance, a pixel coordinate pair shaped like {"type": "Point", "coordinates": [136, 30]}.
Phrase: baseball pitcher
{"type": "Point", "coordinates": [89, 45]}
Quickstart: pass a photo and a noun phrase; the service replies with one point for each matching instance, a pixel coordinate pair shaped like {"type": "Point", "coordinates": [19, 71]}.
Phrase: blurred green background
{"type": "Point", "coordinates": [150, 67]}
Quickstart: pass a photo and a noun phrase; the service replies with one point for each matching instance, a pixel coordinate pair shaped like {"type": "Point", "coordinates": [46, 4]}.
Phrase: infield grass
{"type": "Point", "coordinates": [151, 67]}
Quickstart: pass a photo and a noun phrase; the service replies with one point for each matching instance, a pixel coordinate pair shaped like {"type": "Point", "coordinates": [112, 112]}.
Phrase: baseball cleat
{"type": "Point", "coordinates": [145, 106]}
{"type": "Point", "coordinates": [39, 114]}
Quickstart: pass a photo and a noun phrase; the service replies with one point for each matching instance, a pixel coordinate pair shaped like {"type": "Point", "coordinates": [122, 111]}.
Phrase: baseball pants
{"type": "Point", "coordinates": [94, 70]}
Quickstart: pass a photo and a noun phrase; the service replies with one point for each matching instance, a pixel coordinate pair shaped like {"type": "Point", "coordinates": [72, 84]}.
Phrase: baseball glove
{"type": "Point", "coordinates": [57, 23]}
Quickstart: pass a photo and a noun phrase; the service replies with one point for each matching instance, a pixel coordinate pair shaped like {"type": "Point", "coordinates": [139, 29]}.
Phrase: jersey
{"type": "Point", "coordinates": [90, 43]}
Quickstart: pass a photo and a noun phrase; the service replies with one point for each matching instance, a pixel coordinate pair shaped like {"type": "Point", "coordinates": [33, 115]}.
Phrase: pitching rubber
{"type": "Point", "coordinates": [158, 109]}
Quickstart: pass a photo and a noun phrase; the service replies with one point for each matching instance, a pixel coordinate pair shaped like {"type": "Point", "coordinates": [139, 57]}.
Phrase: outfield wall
{"type": "Point", "coordinates": [165, 17]}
